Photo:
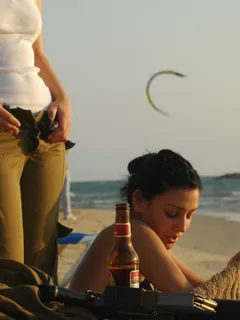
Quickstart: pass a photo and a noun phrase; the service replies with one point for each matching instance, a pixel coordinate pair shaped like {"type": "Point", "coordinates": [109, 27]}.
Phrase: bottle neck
{"type": "Point", "coordinates": [122, 228]}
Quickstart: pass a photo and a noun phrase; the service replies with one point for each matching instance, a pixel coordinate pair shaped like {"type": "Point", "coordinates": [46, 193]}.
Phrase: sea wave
{"type": "Point", "coordinates": [218, 198]}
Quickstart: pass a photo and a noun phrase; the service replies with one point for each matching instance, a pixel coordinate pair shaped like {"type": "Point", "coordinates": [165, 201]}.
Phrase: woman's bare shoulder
{"type": "Point", "coordinates": [139, 224]}
{"type": "Point", "coordinates": [106, 234]}
{"type": "Point", "coordinates": [103, 241]}
{"type": "Point", "coordinates": [141, 231]}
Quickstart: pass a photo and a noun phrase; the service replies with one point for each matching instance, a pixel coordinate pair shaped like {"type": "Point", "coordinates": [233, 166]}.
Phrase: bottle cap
{"type": "Point", "coordinates": [122, 206]}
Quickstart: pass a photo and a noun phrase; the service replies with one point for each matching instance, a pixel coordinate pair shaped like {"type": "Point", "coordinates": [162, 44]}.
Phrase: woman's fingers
{"type": "Point", "coordinates": [8, 123]}
{"type": "Point", "coordinates": [5, 126]}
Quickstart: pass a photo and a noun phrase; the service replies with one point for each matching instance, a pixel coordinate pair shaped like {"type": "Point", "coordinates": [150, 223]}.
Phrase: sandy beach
{"type": "Point", "coordinates": [206, 247]}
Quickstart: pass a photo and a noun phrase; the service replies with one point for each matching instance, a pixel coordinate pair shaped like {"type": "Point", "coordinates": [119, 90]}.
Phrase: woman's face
{"type": "Point", "coordinates": [169, 215]}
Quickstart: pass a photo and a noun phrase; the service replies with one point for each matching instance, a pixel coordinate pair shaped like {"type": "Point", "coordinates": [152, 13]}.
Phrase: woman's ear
{"type": "Point", "coordinates": [138, 201]}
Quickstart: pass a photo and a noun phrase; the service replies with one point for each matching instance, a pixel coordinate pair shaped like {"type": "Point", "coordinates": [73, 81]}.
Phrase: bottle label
{"type": "Point", "coordinates": [123, 277]}
{"type": "Point", "coordinates": [122, 230]}
{"type": "Point", "coordinates": [134, 279]}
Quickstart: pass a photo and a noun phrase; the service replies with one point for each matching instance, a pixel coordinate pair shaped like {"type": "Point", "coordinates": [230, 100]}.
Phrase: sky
{"type": "Point", "coordinates": [104, 53]}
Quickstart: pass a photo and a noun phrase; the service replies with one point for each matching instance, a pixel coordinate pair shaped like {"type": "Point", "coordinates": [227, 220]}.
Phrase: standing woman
{"type": "Point", "coordinates": [32, 153]}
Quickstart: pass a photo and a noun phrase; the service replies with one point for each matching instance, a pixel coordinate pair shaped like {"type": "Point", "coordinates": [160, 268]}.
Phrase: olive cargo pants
{"type": "Point", "coordinates": [31, 180]}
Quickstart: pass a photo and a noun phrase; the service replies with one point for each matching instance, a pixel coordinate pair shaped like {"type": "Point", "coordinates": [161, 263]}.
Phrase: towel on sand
{"type": "Point", "coordinates": [223, 285]}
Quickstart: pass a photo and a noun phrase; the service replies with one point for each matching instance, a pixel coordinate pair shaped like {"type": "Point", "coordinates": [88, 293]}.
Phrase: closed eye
{"type": "Point", "coordinates": [177, 214]}
{"type": "Point", "coordinates": [171, 216]}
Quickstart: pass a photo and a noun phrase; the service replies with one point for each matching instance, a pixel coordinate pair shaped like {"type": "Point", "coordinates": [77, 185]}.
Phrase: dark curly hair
{"type": "Point", "coordinates": [156, 173]}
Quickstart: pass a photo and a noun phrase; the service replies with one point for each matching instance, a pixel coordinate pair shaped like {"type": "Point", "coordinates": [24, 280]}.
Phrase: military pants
{"type": "Point", "coordinates": [31, 179]}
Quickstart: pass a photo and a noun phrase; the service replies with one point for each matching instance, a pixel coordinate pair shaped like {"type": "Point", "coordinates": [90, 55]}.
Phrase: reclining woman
{"type": "Point", "coordinates": [163, 191]}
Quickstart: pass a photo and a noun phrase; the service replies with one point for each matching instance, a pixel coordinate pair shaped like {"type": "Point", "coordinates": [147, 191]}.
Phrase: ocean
{"type": "Point", "coordinates": [219, 198]}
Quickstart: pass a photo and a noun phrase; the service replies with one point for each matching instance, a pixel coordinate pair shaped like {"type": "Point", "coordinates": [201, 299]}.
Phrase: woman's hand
{"type": "Point", "coordinates": [235, 258]}
{"type": "Point", "coordinates": [61, 111]}
{"type": "Point", "coordinates": [8, 123]}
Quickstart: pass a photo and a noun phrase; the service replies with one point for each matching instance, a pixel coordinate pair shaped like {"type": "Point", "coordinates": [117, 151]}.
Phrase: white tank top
{"type": "Point", "coordinates": [20, 84]}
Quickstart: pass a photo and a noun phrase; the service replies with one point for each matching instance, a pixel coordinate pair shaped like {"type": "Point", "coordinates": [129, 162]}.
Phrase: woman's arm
{"type": "Point", "coordinates": [193, 278]}
{"type": "Point", "coordinates": [156, 265]}
{"type": "Point", "coordinates": [61, 106]}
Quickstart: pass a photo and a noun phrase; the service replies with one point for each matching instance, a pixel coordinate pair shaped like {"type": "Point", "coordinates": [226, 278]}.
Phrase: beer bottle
{"type": "Point", "coordinates": [122, 261]}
